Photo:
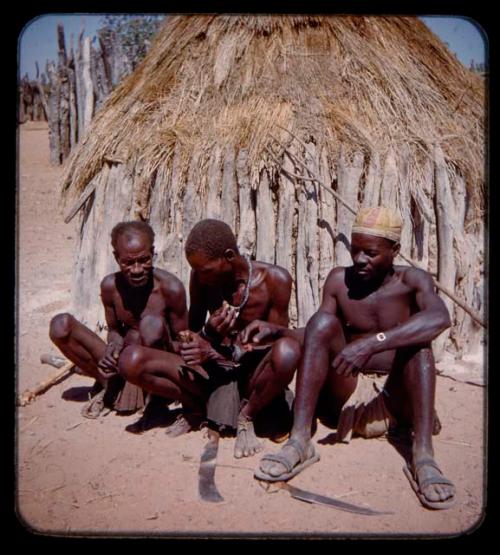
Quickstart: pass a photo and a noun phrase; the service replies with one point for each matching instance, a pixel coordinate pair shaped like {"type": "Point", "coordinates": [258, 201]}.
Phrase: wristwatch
{"type": "Point", "coordinates": [381, 336]}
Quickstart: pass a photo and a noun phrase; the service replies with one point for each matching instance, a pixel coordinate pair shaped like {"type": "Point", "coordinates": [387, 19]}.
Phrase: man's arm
{"type": "Point", "coordinates": [176, 305]}
{"type": "Point", "coordinates": [197, 307]}
{"type": "Point", "coordinates": [422, 327]}
{"type": "Point", "coordinates": [115, 342]}
{"type": "Point", "coordinates": [276, 325]}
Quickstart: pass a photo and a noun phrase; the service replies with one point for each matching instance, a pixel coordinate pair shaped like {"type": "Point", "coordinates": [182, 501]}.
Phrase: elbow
{"type": "Point", "coordinates": [443, 321]}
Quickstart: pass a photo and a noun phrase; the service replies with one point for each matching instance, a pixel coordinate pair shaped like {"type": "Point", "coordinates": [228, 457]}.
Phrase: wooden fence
{"type": "Point", "coordinates": [71, 90]}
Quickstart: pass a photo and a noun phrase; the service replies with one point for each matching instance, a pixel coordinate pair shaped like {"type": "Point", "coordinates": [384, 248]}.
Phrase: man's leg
{"type": "Point", "coordinates": [324, 338]}
{"type": "Point", "coordinates": [410, 395]}
{"type": "Point", "coordinates": [84, 348]}
{"type": "Point", "coordinates": [268, 380]}
{"type": "Point", "coordinates": [163, 374]}
{"type": "Point", "coordinates": [152, 332]}
{"type": "Point", "coordinates": [80, 345]}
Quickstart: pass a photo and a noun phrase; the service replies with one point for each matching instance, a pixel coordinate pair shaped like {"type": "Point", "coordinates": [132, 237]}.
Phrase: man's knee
{"type": "Point", "coordinates": [131, 363]}
{"type": "Point", "coordinates": [285, 355]}
{"type": "Point", "coordinates": [151, 329]}
{"type": "Point", "coordinates": [60, 327]}
{"type": "Point", "coordinates": [421, 358]}
{"type": "Point", "coordinates": [323, 325]}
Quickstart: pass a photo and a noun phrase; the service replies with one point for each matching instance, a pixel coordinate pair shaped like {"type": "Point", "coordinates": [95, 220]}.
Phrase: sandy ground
{"type": "Point", "coordinates": [92, 477]}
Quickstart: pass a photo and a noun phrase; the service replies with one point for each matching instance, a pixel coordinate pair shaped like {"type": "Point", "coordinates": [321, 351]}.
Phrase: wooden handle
{"type": "Point", "coordinates": [28, 396]}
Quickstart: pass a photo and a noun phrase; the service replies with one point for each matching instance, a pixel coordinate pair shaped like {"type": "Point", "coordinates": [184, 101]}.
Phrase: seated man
{"type": "Point", "coordinates": [235, 291]}
{"type": "Point", "coordinates": [143, 305]}
{"type": "Point", "coordinates": [374, 317]}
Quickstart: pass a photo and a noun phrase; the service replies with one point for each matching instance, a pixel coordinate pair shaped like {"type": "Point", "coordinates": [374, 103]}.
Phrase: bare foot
{"type": "Point", "coordinates": [184, 423]}
{"type": "Point", "coordinates": [247, 443]}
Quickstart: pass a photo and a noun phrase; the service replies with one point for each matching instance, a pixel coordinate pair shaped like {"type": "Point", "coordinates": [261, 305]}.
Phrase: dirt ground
{"type": "Point", "coordinates": [92, 477]}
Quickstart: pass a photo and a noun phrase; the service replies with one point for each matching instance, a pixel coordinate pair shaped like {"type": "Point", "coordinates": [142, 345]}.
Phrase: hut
{"type": "Point", "coordinates": [283, 126]}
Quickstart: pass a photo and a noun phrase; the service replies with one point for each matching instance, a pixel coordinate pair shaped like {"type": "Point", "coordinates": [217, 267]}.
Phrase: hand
{"type": "Point", "coordinates": [354, 356]}
{"type": "Point", "coordinates": [108, 365]}
{"type": "Point", "coordinates": [257, 331]}
{"type": "Point", "coordinates": [193, 349]}
{"type": "Point", "coordinates": [222, 321]}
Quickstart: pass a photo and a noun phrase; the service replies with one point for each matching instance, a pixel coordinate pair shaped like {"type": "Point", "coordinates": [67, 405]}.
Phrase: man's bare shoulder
{"type": "Point", "coordinates": [415, 278]}
{"type": "Point", "coordinates": [108, 283]}
{"type": "Point", "coordinates": [170, 284]}
{"type": "Point", "coordinates": [275, 275]}
{"type": "Point", "coordinates": [336, 277]}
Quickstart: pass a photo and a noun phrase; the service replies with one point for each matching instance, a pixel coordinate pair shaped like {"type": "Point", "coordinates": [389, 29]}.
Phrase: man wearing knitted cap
{"type": "Point", "coordinates": [375, 318]}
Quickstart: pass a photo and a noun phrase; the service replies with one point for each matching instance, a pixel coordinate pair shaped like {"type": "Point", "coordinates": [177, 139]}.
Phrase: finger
{"type": "Point", "coordinates": [103, 363]}
{"type": "Point", "coordinates": [258, 337]}
{"type": "Point", "coordinates": [192, 361]}
{"type": "Point", "coordinates": [336, 361]}
{"type": "Point", "coordinates": [341, 368]}
{"type": "Point", "coordinates": [233, 319]}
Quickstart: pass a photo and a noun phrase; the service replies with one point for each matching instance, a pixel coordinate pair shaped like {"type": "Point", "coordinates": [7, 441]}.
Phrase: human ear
{"type": "Point", "coordinates": [396, 248]}
{"type": "Point", "coordinates": [229, 255]}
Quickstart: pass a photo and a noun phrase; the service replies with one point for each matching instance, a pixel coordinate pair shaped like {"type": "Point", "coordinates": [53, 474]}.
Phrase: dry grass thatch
{"type": "Point", "coordinates": [366, 83]}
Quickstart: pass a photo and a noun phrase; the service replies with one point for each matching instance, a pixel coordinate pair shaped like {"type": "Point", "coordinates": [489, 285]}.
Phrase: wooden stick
{"type": "Point", "coordinates": [446, 291]}
{"type": "Point", "coordinates": [28, 396]}
{"type": "Point", "coordinates": [80, 202]}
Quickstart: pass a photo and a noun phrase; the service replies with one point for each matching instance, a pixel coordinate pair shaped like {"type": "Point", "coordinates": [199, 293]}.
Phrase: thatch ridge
{"type": "Point", "coordinates": [368, 83]}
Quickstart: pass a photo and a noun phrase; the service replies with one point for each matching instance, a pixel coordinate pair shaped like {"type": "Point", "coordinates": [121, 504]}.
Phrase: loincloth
{"type": "Point", "coordinates": [364, 413]}
{"type": "Point", "coordinates": [124, 396]}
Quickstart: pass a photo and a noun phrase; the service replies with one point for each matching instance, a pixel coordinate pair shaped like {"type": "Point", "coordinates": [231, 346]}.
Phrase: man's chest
{"type": "Point", "coordinates": [130, 310]}
{"type": "Point", "coordinates": [381, 310]}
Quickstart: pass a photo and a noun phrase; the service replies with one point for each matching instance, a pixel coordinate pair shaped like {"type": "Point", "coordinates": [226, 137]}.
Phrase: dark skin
{"type": "Point", "coordinates": [214, 282]}
{"type": "Point", "coordinates": [216, 287]}
{"type": "Point", "coordinates": [143, 306]}
{"type": "Point", "coordinates": [370, 297]}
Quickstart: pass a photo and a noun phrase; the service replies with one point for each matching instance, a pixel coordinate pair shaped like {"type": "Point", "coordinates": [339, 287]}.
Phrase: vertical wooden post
{"type": "Point", "coordinates": [445, 218]}
{"type": "Point", "coordinates": [347, 187]}
{"type": "Point", "coordinates": [327, 223]}
{"type": "Point", "coordinates": [54, 100]}
{"type": "Point", "coordinates": [246, 232]}
{"type": "Point", "coordinates": [266, 225]}
{"type": "Point", "coordinates": [64, 104]}
{"type": "Point", "coordinates": [371, 192]}
{"type": "Point", "coordinates": [88, 96]}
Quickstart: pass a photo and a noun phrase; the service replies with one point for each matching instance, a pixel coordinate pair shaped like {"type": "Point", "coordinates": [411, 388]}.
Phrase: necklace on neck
{"type": "Point", "coordinates": [246, 292]}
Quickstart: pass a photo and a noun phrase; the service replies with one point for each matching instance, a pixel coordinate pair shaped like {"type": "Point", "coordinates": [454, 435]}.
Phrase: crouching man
{"type": "Point", "coordinates": [143, 305]}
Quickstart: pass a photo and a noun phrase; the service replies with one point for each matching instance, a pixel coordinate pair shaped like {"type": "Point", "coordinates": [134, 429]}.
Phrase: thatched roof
{"type": "Point", "coordinates": [363, 82]}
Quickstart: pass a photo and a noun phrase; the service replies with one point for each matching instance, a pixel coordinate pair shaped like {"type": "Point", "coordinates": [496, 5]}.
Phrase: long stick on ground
{"type": "Point", "coordinates": [28, 396]}
{"type": "Point", "coordinates": [446, 291]}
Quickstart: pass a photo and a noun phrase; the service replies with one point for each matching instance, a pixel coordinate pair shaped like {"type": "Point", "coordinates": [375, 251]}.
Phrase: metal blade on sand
{"type": "Point", "coordinates": [206, 474]}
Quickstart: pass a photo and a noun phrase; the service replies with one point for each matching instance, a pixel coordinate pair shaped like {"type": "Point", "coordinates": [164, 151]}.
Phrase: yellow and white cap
{"type": "Point", "coordinates": [380, 222]}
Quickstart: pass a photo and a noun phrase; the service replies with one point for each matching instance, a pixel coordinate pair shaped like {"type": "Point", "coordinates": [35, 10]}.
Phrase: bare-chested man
{"type": "Point", "coordinates": [143, 305]}
{"type": "Point", "coordinates": [234, 290]}
{"type": "Point", "coordinates": [374, 317]}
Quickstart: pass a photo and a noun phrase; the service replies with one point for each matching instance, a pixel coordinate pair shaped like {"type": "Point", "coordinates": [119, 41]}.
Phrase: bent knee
{"type": "Point", "coordinates": [420, 359]}
{"type": "Point", "coordinates": [130, 363]}
{"type": "Point", "coordinates": [61, 326]}
{"type": "Point", "coordinates": [286, 352]}
{"type": "Point", "coordinates": [323, 324]}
